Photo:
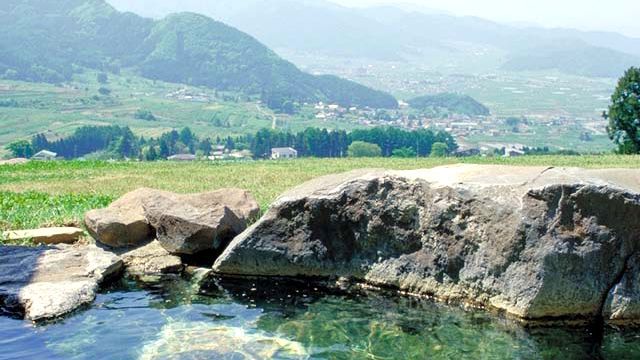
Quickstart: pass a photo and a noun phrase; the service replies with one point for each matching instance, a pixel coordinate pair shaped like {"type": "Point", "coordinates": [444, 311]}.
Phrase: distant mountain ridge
{"type": "Point", "coordinates": [42, 40]}
{"type": "Point", "coordinates": [401, 33]}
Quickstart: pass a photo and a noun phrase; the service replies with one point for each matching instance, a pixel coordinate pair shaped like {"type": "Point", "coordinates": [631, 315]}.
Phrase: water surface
{"type": "Point", "coordinates": [175, 320]}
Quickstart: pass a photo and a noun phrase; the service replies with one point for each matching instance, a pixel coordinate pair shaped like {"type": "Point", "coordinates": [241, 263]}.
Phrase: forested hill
{"type": "Point", "coordinates": [453, 103]}
{"type": "Point", "coordinates": [47, 41]}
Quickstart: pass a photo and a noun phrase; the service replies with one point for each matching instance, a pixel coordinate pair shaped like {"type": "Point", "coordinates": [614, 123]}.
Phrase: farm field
{"type": "Point", "coordinates": [59, 193]}
{"type": "Point", "coordinates": [57, 110]}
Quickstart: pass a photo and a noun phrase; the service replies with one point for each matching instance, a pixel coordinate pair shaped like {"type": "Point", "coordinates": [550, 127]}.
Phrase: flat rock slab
{"type": "Point", "coordinates": [151, 259]}
{"type": "Point", "coordinates": [46, 236]}
{"type": "Point", "coordinates": [47, 282]}
{"type": "Point", "coordinates": [536, 242]}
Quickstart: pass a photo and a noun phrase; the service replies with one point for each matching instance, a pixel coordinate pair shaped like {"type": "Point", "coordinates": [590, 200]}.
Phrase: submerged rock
{"type": "Point", "coordinates": [48, 282]}
{"type": "Point", "coordinates": [538, 243]}
{"type": "Point", "coordinates": [151, 259]}
{"type": "Point", "coordinates": [200, 340]}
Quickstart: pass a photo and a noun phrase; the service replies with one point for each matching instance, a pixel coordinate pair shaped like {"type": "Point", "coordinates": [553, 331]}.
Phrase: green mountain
{"type": "Point", "coordinates": [46, 41]}
{"type": "Point", "coordinates": [454, 103]}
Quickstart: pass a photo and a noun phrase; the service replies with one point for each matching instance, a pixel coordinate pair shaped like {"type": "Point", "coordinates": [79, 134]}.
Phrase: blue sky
{"type": "Point", "coordinates": [610, 15]}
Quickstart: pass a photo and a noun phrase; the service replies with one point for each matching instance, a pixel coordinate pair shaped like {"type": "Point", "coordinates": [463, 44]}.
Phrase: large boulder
{"type": "Point", "coordinates": [123, 223]}
{"type": "Point", "coordinates": [538, 243]}
{"type": "Point", "coordinates": [190, 224]}
{"type": "Point", "coordinates": [185, 224]}
{"type": "Point", "coordinates": [47, 282]}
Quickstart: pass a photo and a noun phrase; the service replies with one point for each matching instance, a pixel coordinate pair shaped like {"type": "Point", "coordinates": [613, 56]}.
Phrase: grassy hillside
{"type": "Point", "coordinates": [42, 42]}
{"type": "Point", "coordinates": [58, 110]}
{"type": "Point", "coordinates": [58, 193]}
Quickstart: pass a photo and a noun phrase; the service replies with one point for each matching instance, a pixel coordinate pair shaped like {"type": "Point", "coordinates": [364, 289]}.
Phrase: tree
{"type": "Point", "coordinates": [206, 147]}
{"type": "Point", "coordinates": [188, 138]}
{"type": "Point", "coordinates": [20, 149]}
{"type": "Point", "coordinates": [150, 154]}
{"type": "Point", "coordinates": [624, 113]}
{"type": "Point", "coordinates": [104, 91]}
{"type": "Point", "coordinates": [144, 115]}
{"type": "Point", "coordinates": [405, 152]}
{"type": "Point", "coordinates": [439, 150]}
{"type": "Point", "coordinates": [364, 149]}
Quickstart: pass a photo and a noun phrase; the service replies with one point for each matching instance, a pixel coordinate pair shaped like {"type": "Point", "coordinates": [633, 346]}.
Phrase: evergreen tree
{"type": "Point", "coordinates": [206, 147]}
{"type": "Point", "coordinates": [151, 154]}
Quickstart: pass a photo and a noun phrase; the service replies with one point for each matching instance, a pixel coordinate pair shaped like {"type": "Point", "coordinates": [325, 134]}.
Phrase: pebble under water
{"type": "Point", "coordinates": [268, 320]}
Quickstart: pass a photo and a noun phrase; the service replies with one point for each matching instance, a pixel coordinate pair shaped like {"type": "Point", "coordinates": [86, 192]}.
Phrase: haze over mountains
{"type": "Point", "coordinates": [401, 33]}
{"type": "Point", "coordinates": [46, 41]}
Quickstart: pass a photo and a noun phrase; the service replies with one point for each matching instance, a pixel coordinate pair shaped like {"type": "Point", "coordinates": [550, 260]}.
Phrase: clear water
{"type": "Point", "coordinates": [173, 320]}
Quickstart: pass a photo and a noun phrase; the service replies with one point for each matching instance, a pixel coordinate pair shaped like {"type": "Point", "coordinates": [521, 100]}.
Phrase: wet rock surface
{"type": "Point", "coordinates": [537, 243]}
{"type": "Point", "coordinates": [48, 282]}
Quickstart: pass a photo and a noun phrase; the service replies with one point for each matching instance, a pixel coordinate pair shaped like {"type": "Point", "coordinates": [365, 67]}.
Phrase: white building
{"type": "Point", "coordinates": [44, 155]}
{"type": "Point", "coordinates": [284, 153]}
{"type": "Point", "coordinates": [513, 152]}
{"type": "Point", "coordinates": [182, 157]}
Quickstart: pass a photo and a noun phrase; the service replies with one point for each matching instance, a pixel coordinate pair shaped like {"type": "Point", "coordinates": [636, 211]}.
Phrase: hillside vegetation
{"type": "Point", "coordinates": [452, 103]}
{"type": "Point", "coordinates": [44, 41]}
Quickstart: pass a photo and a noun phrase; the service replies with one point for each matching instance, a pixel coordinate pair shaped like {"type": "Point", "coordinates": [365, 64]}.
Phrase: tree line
{"type": "Point", "coordinates": [121, 143]}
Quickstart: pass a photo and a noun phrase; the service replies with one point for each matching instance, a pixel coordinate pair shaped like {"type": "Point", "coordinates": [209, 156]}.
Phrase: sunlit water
{"type": "Point", "coordinates": [173, 320]}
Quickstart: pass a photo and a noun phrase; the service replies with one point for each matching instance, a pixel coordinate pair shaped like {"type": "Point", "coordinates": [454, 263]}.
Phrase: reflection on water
{"type": "Point", "coordinates": [231, 320]}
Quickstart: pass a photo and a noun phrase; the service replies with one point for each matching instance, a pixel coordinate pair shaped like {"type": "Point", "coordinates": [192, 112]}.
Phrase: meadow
{"type": "Point", "coordinates": [59, 193]}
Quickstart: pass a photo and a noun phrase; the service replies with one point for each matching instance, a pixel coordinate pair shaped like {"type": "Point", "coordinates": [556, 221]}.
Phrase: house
{"type": "Point", "coordinates": [467, 152]}
{"type": "Point", "coordinates": [44, 155]}
{"type": "Point", "coordinates": [182, 157]}
{"type": "Point", "coordinates": [284, 153]}
{"type": "Point", "coordinates": [513, 152]}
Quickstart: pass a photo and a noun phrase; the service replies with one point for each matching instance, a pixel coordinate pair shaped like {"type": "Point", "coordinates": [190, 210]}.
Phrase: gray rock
{"type": "Point", "coordinates": [623, 301]}
{"type": "Point", "coordinates": [123, 223]}
{"type": "Point", "coordinates": [185, 223]}
{"type": "Point", "coordinates": [537, 243]}
{"type": "Point", "coordinates": [151, 259]}
{"type": "Point", "coordinates": [189, 224]}
{"type": "Point", "coordinates": [48, 282]}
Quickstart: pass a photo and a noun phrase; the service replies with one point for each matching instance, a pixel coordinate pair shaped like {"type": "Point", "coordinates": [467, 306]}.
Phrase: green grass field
{"type": "Point", "coordinates": [58, 193]}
